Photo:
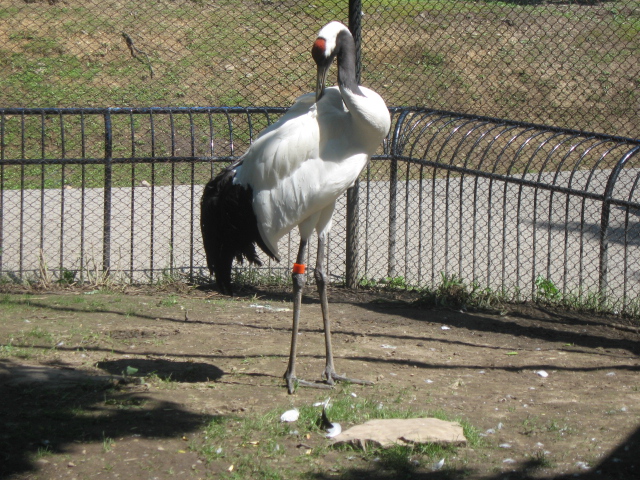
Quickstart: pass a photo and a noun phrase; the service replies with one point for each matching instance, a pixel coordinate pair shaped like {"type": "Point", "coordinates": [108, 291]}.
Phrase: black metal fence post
{"type": "Point", "coordinates": [108, 171]}
{"type": "Point", "coordinates": [393, 193]}
{"type": "Point", "coordinates": [1, 190]}
{"type": "Point", "coordinates": [355, 26]}
{"type": "Point", "coordinates": [353, 194]}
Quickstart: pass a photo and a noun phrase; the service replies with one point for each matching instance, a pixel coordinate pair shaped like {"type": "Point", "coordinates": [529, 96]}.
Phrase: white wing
{"type": "Point", "coordinates": [301, 164]}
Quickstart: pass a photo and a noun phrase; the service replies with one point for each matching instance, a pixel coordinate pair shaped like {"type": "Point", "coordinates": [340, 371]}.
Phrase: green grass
{"type": "Point", "coordinates": [107, 443]}
{"type": "Point", "coordinates": [9, 350]}
{"type": "Point", "coordinates": [42, 452]}
{"type": "Point", "coordinates": [13, 302]}
{"type": "Point", "coordinates": [35, 333]}
{"type": "Point", "coordinates": [263, 439]}
{"type": "Point", "coordinates": [534, 425]}
{"type": "Point", "coordinates": [39, 333]}
{"type": "Point", "coordinates": [454, 292]}
{"type": "Point", "coordinates": [169, 301]}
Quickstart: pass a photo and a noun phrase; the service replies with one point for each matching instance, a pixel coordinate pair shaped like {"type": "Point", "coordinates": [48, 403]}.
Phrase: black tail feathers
{"type": "Point", "coordinates": [229, 227]}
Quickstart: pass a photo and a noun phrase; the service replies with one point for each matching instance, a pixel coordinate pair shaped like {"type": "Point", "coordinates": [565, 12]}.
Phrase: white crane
{"type": "Point", "coordinates": [291, 176]}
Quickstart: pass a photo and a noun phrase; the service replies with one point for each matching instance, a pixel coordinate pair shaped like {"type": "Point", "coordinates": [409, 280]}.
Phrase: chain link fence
{"type": "Point", "coordinates": [571, 64]}
{"type": "Point", "coordinates": [516, 208]}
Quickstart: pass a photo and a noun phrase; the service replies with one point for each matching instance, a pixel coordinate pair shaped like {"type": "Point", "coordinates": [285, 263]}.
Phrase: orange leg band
{"type": "Point", "coordinates": [299, 268]}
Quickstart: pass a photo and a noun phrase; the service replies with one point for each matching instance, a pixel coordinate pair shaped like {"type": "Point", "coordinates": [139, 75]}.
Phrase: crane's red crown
{"type": "Point", "coordinates": [318, 50]}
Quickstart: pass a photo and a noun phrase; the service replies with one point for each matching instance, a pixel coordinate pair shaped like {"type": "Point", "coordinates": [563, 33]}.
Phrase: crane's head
{"type": "Point", "coordinates": [324, 50]}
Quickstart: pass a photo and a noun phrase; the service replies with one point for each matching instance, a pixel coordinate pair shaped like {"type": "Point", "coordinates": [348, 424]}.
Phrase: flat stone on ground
{"type": "Point", "coordinates": [403, 431]}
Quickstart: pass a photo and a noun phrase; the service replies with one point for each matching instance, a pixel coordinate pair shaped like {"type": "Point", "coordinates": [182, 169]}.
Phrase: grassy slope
{"type": "Point", "coordinates": [571, 65]}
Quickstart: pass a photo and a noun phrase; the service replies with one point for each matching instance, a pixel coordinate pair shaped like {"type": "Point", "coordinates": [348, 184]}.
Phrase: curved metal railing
{"type": "Point", "coordinates": [513, 205]}
{"type": "Point", "coordinates": [509, 206]}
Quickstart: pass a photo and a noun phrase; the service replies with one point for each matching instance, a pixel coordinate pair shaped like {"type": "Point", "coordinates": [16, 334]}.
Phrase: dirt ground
{"type": "Point", "coordinates": [120, 384]}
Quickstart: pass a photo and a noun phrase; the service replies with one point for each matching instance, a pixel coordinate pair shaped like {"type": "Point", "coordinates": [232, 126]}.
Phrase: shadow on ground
{"type": "Point", "coordinates": [48, 410]}
{"type": "Point", "coordinates": [167, 370]}
{"type": "Point", "coordinates": [620, 464]}
{"type": "Point", "coordinates": [527, 321]}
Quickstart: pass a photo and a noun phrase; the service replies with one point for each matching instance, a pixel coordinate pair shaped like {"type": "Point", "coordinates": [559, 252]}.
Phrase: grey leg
{"type": "Point", "coordinates": [329, 375]}
{"type": "Point", "coordinates": [299, 281]}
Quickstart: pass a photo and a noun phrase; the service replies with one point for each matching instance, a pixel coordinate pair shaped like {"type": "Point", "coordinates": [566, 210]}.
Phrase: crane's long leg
{"type": "Point", "coordinates": [299, 281]}
{"type": "Point", "coordinates": [329, 374]}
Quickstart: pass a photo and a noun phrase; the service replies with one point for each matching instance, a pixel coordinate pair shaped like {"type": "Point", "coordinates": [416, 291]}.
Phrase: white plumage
{"type": "Point", "coordinates": [293, 173]}
{"type": "Point", "coordinates": [301, 164]}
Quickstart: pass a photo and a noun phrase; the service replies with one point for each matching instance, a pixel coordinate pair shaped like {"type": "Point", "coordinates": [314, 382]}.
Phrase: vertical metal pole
{"type": "Point", "coordinates": [22, 191]}
{"type": "Point", "coordinates": [604, 249]}
{"type": "Point", "coordinates": [193, 200]}
{"type": "Point", "coordinates": [108, 167]}
{"type": "Point", "coordinates": [63, 154]}
{"type": "Point", "coordinates": [132, 213]}
{"type": "Point", "coordinates": [353, 194]}
{"type": "Point", "coordinates": [172, 220]}
{"type": "Point", "coordinates": [2, 146]}
{"type": "Point", "coordinates": [393, 193]}
{"type": "Point", "coordinates": [152, 211]}
{"type": "Point", "coordinates": [43, 177]}
{"type": "Point", "coordinates": [355, 26]}
{"type": "Point", "coordinates": [83, 187]}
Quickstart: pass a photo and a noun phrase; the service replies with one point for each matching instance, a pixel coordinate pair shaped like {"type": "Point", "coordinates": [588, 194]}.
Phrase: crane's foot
{"type": "Point", "coordinates": [293, 383]}
{"type": "Point", "coordinates": [330, 376]}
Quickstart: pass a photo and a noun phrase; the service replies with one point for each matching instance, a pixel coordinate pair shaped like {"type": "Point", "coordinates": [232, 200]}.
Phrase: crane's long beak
{"type": "Point", "coordinates": [320, 81]}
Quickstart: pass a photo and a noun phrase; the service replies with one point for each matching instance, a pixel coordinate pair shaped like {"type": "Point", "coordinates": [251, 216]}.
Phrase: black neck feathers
{"type": "Point", "coordinates": [346, 56]}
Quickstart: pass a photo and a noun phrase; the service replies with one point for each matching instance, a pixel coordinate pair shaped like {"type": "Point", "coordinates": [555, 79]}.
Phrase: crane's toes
{"type": "Point", "coordinates": [293, 383]}
{"type": "Point", "coordinates": [331, 377]}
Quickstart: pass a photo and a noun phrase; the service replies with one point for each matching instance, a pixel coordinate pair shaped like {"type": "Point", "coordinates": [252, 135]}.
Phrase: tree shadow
{"type": "Point", "coordinates": [48, 410]}
{"type": "Point", "coordinates": [523, 321]}
{"type": "Point", "coordinates": [530, 323]}
{"type": "Point", "coordinates": [377, 473]}
{"type": "Point", "coordinates": [621, 463]}
{"type": "Point", "coordinates": [618, 234]}
{"type": "Point", "coordinates": [167, 370]}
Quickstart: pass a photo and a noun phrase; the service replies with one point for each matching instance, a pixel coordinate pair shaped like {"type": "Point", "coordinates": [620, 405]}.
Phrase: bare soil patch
{"type": "Point", "coordinates": [122, 384]}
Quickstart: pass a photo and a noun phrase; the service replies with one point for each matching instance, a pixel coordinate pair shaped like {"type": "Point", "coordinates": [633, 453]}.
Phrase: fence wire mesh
{"type": "Point", "coordinates": [573, 64]}
{"type": "Point", "coordinates": [503, 205]}
{"type": "Point", "coordinates": [513, 206]}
